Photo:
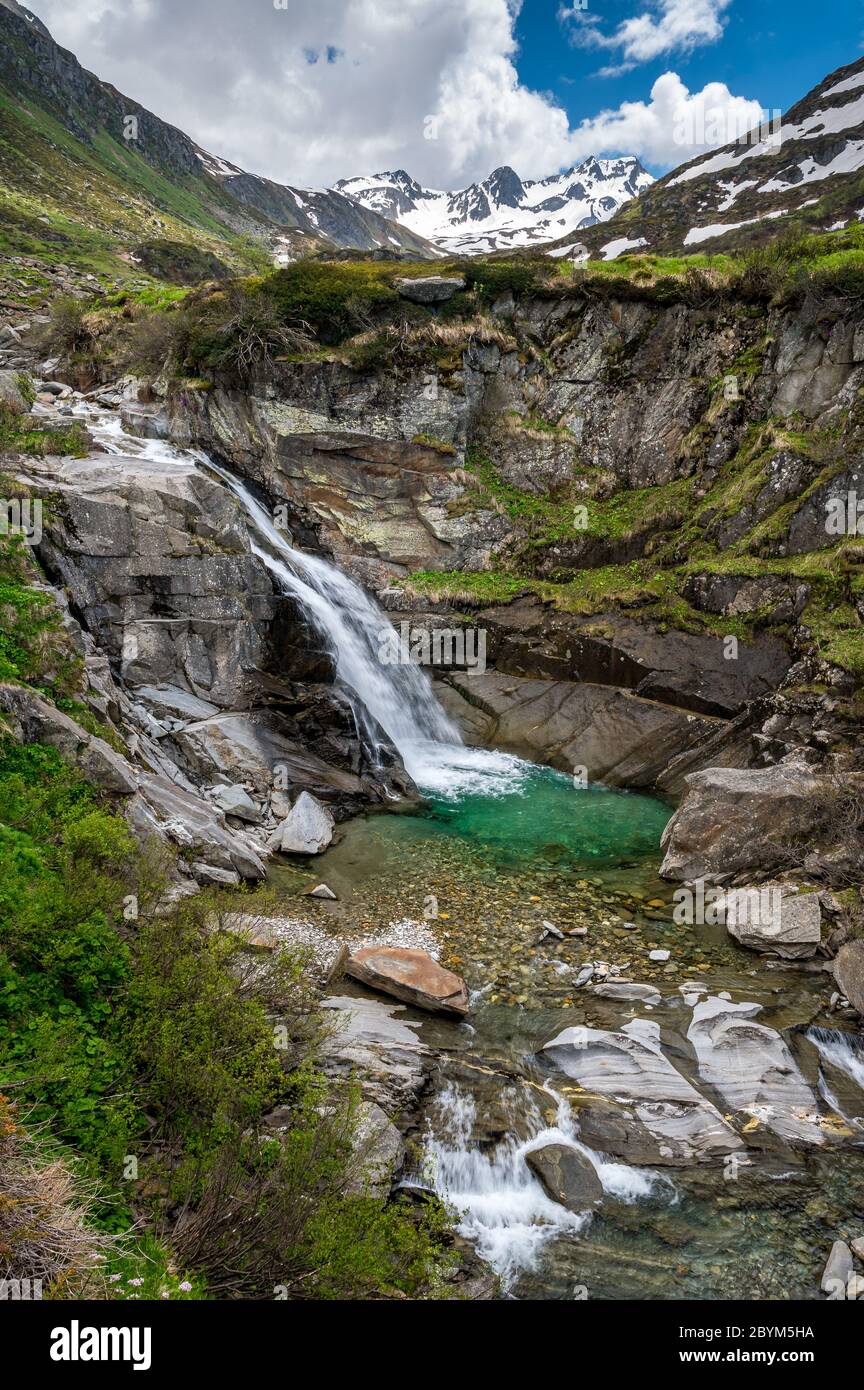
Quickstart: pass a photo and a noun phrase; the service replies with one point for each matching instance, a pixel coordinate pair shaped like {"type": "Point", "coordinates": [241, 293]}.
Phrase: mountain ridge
{"type": "Point", "coordinates": [78, 154]}
{"type": "Point", "coordinates": [502, 211]}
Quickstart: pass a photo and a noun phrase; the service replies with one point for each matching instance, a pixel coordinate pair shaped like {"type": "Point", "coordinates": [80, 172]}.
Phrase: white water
{"type": "Point", "coordinates": [843, 1051]}
{"type": "Point", "coordinates": [395, 697]}
{"type": "Point", "coordinates": [502, 1206]}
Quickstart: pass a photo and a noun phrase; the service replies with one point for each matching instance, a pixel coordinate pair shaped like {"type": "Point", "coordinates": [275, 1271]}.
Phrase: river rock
{"type": "Point", "coordinates": [737, 819]}
{"type": "Point", "coordinates": [567, 1176]}
{"type": "Point", "coordinates": [772, 919]}
{"type": "Point", "coordinates": [838, 1268]}
{"type": "Point", "coordinates": [858, 1247]}
{"type": "Point", "coordinates": [410, 975]}
{"type": "Point", "coordinates": [321, 890]}
{"type": "Point", "coordinates": [656, 1115]}
{"type": "Point", "coordinates": [307, 829]}
{"type": "Point", "coordinates": [849, 973]}
{"type": "Point", "coordinates": [430, 289]}
{"type": "Point", "coordinates": [750, 1066]}
{"type": "Point", "coordinates": [623, 989]}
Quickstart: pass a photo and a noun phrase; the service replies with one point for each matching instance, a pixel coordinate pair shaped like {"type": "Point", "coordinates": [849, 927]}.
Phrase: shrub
{"type": "Point", "coordinates": [238, 329]}
{"type": "Point", "coordinates": [65, 868]}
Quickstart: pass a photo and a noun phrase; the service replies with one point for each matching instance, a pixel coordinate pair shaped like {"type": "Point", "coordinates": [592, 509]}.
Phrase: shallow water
{"type": "Point", "coordinates": [498, 851]}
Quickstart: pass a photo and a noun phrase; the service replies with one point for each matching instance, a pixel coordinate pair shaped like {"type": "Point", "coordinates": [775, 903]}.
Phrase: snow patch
{"type": "Point", "coordinates": [616, 248]}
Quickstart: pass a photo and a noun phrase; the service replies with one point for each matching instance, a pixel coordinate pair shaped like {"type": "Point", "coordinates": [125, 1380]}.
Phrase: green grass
{"type": "Point", "coordinates": [23, 434]}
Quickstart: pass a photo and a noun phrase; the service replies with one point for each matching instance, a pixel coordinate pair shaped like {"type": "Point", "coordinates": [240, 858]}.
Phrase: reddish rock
{"type": "Point", "coordinates": [412, 976]}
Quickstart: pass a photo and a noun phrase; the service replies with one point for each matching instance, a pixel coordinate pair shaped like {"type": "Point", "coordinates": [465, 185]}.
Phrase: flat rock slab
{"type": "Point", "coordinates": [374, 1043]}
{"type": "Point", "coordinates": [628, 991]}
{"type": "Point", "coordinates": [750, 1066]}
{"type": "Point", "coordinates": [412, 976]}
{"type": "Point", "coordinates": [654, 1114]}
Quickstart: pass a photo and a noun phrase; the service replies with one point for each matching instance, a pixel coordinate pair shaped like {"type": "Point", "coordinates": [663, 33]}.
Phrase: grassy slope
{"type": "Point", "coordinates": [64, 202]}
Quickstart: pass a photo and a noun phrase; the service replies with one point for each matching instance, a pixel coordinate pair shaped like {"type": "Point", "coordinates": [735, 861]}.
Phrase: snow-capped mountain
{"type": "Point", "coordinates": [503, 211]}
{"type": "Point", "coordinates": [805, 168]}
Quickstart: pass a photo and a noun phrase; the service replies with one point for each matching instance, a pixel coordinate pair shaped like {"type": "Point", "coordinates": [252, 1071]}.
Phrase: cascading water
{"type": "Point", "coordinates": [388, 695]}
{"type": "Point", "coordinates": [845, 1053]}
{"type": "Point", "coordinates": [502, 1207]}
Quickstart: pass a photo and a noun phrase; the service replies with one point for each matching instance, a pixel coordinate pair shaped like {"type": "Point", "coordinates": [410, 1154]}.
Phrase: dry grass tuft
{"type": "Point", "coordinates": [44, 1212]}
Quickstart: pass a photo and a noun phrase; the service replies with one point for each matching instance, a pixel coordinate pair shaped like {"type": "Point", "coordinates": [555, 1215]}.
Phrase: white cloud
{"type": "Point", "coordinates": [673, 126]}
{"type": "Point", "coordinates": [680, 26]}
{"type": "Point", "coordinates": [316, 91]}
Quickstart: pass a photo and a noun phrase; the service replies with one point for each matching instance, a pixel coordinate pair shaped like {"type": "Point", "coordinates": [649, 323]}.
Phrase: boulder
{"type": "Point", "coordinates": [654, 1115]}
{"type": "Point", "coordinates": [752, 1069]}
{"type": "Point", "coordinates": [837, 1271]}
{"type": "Point", "coordinates": [307, 829]}
{"type": "Point", "coordinates": [733, 820]}
{"type": "Point", "coordinates": [849, 973]}
{"type": "Point", "coordinates": [410, 975]}
{"type": "Point", "coordinates": [236, 801]}
{"type": "Point", "coordinates": [772, 919]}
{"type": "Point", "coordinates": [567, 1176]}
{"type": "Point", "coordinates": [430, 289]}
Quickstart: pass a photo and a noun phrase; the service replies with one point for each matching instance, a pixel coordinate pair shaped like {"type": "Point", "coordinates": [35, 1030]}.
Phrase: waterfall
{"type": "Point", "coordinates": [397, 695]}
{"type": "Point", "coordinates": [844, 1052]}
{"type": "Point", "coordinates": [388, 695]}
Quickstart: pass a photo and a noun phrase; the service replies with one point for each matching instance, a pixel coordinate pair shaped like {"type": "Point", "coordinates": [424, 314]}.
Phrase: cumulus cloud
{"type": "Point", "coordinates": [674, 125]}
{"type": "Point", "coordinates": [310, 92]}
{"type": "Point", "coordinates": [679, 26]}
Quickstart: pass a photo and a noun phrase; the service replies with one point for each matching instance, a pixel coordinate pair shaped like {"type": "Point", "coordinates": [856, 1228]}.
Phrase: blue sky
{"type": "Point", "coordinates": [771, 50]}
{"type": "Point", "coordinates": [451, 89]}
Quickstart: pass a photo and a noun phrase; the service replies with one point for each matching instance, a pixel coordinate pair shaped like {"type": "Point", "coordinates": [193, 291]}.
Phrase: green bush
{"type": "Point", "coordinates": [64, 873]}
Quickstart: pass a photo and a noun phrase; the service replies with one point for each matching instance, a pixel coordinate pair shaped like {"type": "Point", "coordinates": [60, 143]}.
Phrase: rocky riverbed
{"type": "Point", "coordinates": [635, 1106]}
